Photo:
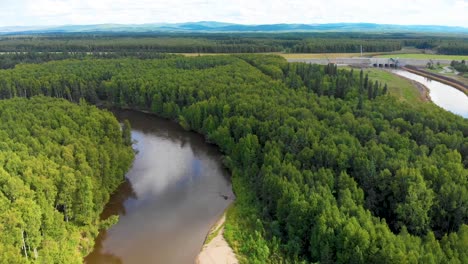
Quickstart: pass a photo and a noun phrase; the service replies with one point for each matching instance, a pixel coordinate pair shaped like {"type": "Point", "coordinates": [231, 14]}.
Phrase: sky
{"type": "Point", "coordinates": [84, 12]}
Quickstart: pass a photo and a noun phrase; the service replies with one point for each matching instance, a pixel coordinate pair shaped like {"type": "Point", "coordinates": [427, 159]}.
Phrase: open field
{"type": "Point", "coordinates": [424, 56]}
{"type": "Point", "coordinates": [294, 55]}
{"type": "Point", "coordinates": [322, 55]}
{"type": "Point", "coordinates": [402, 88]}
{"type": "Point", "coordinates": [201, 54]}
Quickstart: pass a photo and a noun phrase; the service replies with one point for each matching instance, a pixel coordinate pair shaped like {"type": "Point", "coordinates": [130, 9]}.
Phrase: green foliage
{"type": "Point", "coordinates": [316, 45]}
{"type": "Point", "coordinates": [144, 45]}
{"type": "Point", "coordinates": [9, 60]}
{"type": "Point", "coordinates": [59, 162]}
{"type": "Point", "coordinates": [454, 48]}
{"type": "Point", "coordinates": [127, 133]}
{"type": "Point", "coordinates": [326, 167]}
{"type": "Point", "coordinates": [460, 66]}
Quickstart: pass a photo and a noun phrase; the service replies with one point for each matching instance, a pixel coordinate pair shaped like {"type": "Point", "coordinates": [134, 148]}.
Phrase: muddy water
{"type": "Point", "coordinates": [175, 191]}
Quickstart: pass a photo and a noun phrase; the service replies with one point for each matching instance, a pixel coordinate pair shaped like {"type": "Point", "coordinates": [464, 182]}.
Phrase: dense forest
{"type": "Point", "coordinates": [9, 60]}
{"type": "Point", "coordinates": [59, 162]}
{"type": "Point", "coordinates": [316, 45]}
{"type": "Point", "coordinates": [297, 42]}
{"type": "Point", "coordinates": [326, 166]}
{"type": "Point", "coordinates": [454, 48]}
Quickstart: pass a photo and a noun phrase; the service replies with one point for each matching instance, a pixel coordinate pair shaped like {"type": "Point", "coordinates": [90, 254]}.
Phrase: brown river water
{"type": "Point", "coordinates": [176, 190]}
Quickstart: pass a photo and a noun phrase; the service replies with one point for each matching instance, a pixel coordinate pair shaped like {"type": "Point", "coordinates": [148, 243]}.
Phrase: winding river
{"type": "Point", "coordinates": [176, 190]}
{"type": "Point", "coordinates": [443, 95]}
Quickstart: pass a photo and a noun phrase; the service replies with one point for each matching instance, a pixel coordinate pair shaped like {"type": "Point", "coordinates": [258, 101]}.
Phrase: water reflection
{"type": "Point", "coordinates": [155, 175]}
{"type": "Point", "coordinates": [441, 94]}
{"type": "Point", "coordinates": [177, 182]}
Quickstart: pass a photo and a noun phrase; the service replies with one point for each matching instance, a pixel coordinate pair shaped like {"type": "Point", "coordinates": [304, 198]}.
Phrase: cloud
{"type": "Point", "coordinates": [58, 12]}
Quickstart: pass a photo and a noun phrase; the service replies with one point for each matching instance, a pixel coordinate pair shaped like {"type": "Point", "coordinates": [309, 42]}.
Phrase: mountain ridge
{"type": "Point", "coordinates": [220, 27]}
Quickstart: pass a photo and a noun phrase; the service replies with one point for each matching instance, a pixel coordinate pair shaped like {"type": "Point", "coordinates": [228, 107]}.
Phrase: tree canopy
{"type": "Point", "coordinates": [326, 166]}
{"type": "Point", "coordinates": [59, 163]}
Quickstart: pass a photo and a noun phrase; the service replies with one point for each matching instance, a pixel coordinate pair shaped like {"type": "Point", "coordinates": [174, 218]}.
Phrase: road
{"type": "Point", "coordinates": [369, 62]}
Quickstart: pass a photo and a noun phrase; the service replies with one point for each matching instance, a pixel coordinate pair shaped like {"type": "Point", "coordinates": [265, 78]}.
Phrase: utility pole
{"type": "Point", "coordinates": [361, 50]}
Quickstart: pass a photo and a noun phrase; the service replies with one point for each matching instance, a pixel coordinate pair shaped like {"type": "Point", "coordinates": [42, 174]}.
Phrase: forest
{"type": "Point", "coordinates": [326, 166]}
{"type": "Point", "coordinates": [454, 48]}
{"type": "Point", "coordinates": [59, 163]}
{"type": "Point", "coordinates": [293, 42]}
{"type": "Point", "coordinates": [316, 45]}
{"type": "Point", "coordinates": [10, 60]}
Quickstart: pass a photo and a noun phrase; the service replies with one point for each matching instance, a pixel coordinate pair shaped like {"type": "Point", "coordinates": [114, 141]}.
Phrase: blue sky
{"type": "Point", "coordinates": [60, 12]}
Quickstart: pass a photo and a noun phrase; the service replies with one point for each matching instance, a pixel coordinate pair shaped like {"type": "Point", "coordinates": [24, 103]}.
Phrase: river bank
{"type": "Point", "coordinates": [445, 96]}
{"type": "Point", "coordinates": [422, 89]}
{"type": "Point", "coordinates": [177, 189]}
{"type": "Point", "coordinates": [216, 249]}
{"type": "Point", "coordinates": [443, 79]}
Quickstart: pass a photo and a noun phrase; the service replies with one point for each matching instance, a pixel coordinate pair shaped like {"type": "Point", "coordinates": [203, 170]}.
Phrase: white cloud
{"type": "Point", "coordinates": [58, 12]}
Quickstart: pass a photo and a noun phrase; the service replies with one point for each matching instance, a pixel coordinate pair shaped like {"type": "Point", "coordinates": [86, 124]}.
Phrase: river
{"type": "Point", "coordinates": [176, 190]}
{"type": "Point", "coordinates": [443, 95]}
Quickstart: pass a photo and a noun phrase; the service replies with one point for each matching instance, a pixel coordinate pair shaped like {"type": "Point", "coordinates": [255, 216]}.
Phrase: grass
{"type": "Point", "coordinates": [322, 55]}
{"type": "Point", "coordinates": [460, 78]}
{"type": "Point", "coordinates": [397, 86]}
{"type": "Point", "coordinates": [439, 70]}
{"type": "Point", "coordinates": [293, 55]}
{"type": "Point", "coordinates": [213, 234]}
{"type": "Point", "coordinates": [214, 231]}
{"type": "Point", "coordinates": [200, 54]}
{"type": "Point", "coordinates": [424, 56]}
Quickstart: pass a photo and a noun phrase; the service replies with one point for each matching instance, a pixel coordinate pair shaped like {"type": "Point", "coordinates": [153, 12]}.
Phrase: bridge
{"type": "Point", "coordinates": [373, 62]}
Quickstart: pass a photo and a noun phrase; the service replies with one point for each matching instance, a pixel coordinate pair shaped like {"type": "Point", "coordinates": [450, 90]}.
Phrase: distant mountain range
{"type": "Point", "coordinates": [217, 27]}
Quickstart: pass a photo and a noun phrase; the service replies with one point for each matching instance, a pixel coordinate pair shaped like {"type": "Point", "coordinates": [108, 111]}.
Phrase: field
{"type": "Point", "coordinates": [424, 56]}
{"type": "Point", "coordinates": [322, 55]}
{"type": "Point", "coordinates": [397, 86]}
{"type": "Point", "coordinates": [200, 54]}
{"type": "Point", "coordinates": [294, 55]}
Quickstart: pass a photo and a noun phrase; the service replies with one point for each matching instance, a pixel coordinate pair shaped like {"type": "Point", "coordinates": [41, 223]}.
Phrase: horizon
{"type": "Point", "coordinates": [46, 13]}
{"type": "Point", "coordinates": [231, 23]}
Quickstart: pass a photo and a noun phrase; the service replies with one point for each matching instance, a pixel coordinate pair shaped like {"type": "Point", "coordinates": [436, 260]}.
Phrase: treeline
{"type": "Point", "coordinates": [423, 43]}
{"type": "Point", "coordinates": [454, 48]}
{"type": "Point", "coordinates": [448, 47]}
{"type": "Point", "coordinates": [196, 45]}
{"type": "Point", "coordinates": [228, 43]}
{"type": "Point", "coordinates": [59, 163]}
{"type": "Point", "coordinates": [326, 167]}
{"type": "Point", "coordinates": [128, 44]}
{"type": "Point", "coordinates": [345, 45]}
{"type": "Point", "coordinates": [9, 60]}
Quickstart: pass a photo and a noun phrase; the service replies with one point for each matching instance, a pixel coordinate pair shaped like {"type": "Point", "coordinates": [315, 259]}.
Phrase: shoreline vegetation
{"type": "Point", "coordinates": [423, 90]}
{"type": "Point", "coordinates": [211, 252]}
{"type": "Point", "coordinates": [437, 77]}
{"type": "Point", "coordinates": [215, 248]}
{"type": "Point", "coordinates": [403, 89]}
